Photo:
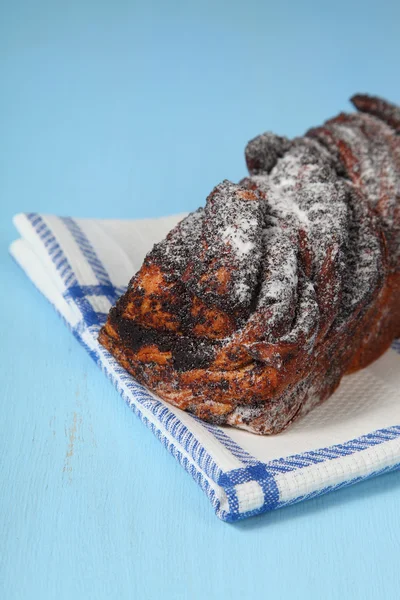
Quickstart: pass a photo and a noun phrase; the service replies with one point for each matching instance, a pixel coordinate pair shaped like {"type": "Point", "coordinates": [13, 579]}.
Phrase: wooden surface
{"type": "Point", "coordinates": [115, 109]}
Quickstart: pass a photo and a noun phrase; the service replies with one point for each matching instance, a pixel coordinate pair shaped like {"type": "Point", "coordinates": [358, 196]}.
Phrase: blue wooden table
{"type": "Point", "coordinates": [128, 109]}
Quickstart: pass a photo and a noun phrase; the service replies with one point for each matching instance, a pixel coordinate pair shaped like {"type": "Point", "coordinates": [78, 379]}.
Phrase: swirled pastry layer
{"type": "Point", "coordinates": [252, 308]}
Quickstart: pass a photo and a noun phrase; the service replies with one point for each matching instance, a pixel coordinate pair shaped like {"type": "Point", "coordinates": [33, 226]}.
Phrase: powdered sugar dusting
{"type": "Point", "coordinates": [371, 154]}
{"type": "Point", "coordinates": [237, 237]}
{"type": "Point", "coordinates": [302, 223]}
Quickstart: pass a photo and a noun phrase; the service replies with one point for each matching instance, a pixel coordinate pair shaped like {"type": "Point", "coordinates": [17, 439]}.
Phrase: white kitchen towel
{"type": "Point", "coordinates": [83, 265]}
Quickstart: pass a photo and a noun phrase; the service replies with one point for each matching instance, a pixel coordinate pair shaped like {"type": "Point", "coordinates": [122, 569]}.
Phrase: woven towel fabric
{"type": "Point", "coordinates": [83, 265]}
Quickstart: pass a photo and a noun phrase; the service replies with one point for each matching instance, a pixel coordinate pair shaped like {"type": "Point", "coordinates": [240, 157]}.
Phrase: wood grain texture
{"type": "Point", "coordinates": [127, 110]}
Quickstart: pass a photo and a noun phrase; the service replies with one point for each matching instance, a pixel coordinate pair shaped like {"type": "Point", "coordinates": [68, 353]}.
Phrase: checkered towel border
{"type": "Point", "coordinates": [235, 494]}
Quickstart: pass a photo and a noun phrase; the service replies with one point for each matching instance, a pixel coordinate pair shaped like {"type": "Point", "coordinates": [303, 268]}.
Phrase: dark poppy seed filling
{"type": "Point", "coordinates": [187, 353]}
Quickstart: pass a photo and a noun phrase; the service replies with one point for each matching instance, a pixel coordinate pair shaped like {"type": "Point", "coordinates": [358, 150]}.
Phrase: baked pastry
{"type": "Point", "coordinates": [252, 308]}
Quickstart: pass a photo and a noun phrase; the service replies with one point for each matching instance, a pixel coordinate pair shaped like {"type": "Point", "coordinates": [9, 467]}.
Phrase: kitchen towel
{"type": "Point", "coordinates": [83, 265]}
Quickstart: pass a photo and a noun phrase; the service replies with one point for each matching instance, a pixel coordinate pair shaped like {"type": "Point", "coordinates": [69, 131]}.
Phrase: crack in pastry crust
{"type": "Point", "coordinates": [252, 308]}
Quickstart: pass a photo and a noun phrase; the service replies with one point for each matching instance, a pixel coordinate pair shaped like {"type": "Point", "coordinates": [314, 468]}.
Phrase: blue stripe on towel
{"type": "Point", "coordinates": [218, 484]}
